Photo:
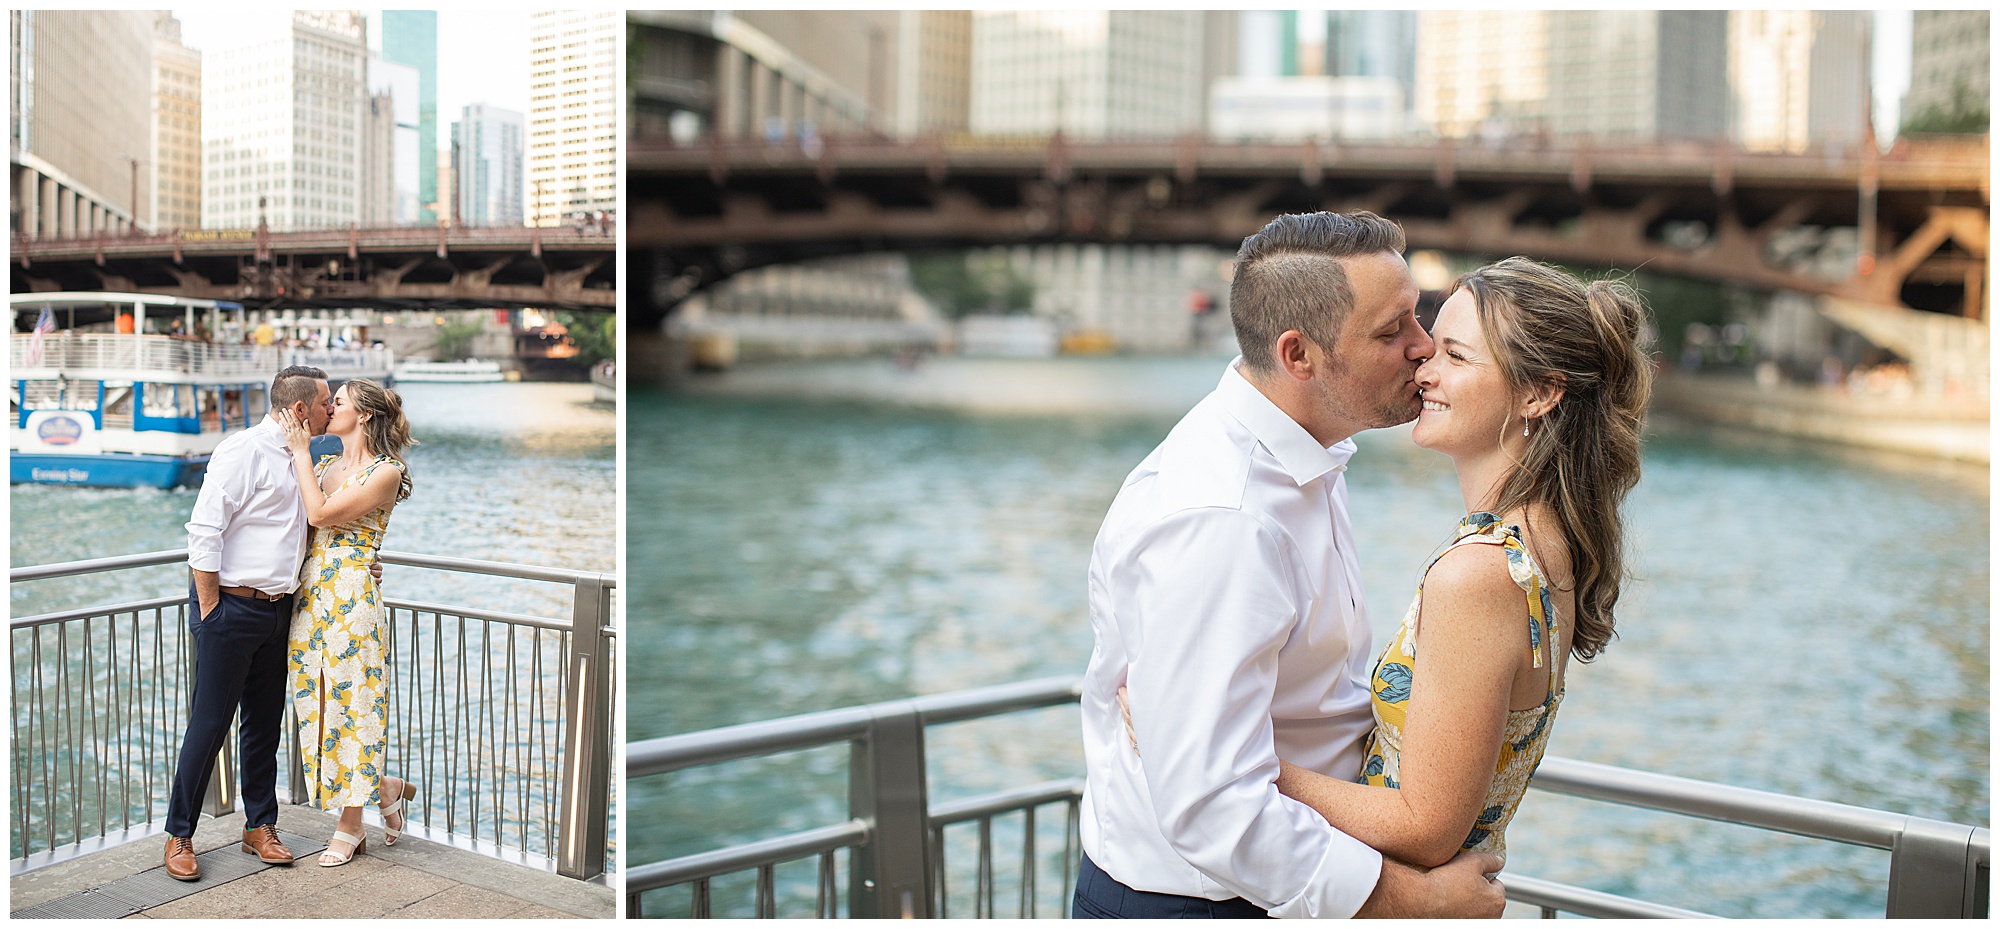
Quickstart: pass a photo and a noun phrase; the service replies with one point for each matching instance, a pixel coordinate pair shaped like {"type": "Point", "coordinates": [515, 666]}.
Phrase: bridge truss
{"type": "Point", "coordinates": [699, 214]}
{"type": "Point", "coordinates": [402, 268]}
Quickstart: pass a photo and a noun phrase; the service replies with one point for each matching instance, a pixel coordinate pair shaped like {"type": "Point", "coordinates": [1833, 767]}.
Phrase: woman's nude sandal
{"type": "Point", "coordinates": [333, 859]}
{"type": "Point", "coordinates": [396, 808]}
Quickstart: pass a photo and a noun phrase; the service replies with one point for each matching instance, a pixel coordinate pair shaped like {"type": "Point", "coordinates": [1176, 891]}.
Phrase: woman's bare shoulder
{"type": "Point", "coordinates": [1472, 578]}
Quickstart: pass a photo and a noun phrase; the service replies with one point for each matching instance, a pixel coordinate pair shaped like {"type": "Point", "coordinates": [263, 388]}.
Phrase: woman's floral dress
{"type": "Point", "coordinates": [339, 691]}
{"type": "Point", "coordinates": [1527, 731]}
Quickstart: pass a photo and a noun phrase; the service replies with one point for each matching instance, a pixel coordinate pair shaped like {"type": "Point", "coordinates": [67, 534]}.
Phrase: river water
{"type": "Point", "coordinates": [520, 472]}
{"type": "Point", "coordinates": [512, 472]}
{"type": "Point", "coordinates": [1803, 619]}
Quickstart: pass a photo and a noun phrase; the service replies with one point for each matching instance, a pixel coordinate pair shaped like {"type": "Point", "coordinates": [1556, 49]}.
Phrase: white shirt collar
{"type": "Point", "coordinates": [269, 432]}
{"type": "Point", "coordinates": [1302, 457]}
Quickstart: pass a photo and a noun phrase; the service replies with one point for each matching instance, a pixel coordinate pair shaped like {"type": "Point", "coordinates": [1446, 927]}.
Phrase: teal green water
{"type": "Point", "coordinates": [522, 473]}
{"type": "Point", "coordinates": [1803, 619]}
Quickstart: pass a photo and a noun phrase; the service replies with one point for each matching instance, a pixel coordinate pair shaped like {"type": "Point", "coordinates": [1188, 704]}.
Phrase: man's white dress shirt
{"type": "Point", "coordinates": [1225, 594]}
{"type": "Point", "coordinates": [249, 522]}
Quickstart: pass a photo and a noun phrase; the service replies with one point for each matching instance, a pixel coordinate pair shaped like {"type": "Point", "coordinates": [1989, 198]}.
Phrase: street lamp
{"type": "Point", "coordinates": [135, 190]}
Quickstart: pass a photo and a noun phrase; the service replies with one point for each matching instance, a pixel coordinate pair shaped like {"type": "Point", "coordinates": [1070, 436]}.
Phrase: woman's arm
{"type": "Point", "coordinates": [322, 510]}
{"type": "Point", "coordinates": [1472, 638]}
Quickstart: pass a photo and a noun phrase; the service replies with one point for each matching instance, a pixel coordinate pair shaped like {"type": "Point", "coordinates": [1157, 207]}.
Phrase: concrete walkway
{"type": "Point", "coordinates": [414, 880]}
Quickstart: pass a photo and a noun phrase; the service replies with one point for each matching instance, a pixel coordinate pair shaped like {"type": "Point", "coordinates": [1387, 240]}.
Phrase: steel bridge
{"type": "Point", "coordinates": [399, 268]}
{"type": "Point", "coordinates": [702, 212]}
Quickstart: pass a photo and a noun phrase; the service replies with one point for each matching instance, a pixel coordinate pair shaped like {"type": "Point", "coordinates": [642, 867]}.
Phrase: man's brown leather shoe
{"type": "Point", "coordinates": [263, 842]}
{"type": "Point", "coordinates": [181, 865]}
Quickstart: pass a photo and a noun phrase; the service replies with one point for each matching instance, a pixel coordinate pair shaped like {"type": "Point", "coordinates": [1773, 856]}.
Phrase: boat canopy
{"type": "Point", "coordinates": [84, 308]}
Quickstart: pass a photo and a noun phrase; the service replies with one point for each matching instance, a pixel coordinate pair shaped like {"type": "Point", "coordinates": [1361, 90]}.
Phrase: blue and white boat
{"type": "Point", "coordinates": [120, 390]}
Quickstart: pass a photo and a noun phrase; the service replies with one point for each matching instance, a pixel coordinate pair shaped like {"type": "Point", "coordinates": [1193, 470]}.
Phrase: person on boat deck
{"type": "Point", "coordinates": [246, 541]}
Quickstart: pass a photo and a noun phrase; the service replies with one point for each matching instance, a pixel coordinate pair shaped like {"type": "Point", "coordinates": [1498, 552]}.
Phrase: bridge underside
{"type": "Point", "coordinates": [333, 272]}
{"type": "Point", "coordinates": [697, 218]}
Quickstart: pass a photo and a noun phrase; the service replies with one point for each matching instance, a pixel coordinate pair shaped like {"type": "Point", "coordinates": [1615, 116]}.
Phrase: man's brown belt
{"type": "Point", "coordinates": [252, 592]}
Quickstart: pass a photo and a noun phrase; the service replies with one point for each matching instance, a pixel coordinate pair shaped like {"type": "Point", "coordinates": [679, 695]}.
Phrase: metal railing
{"type": "Point", "coordinates": [80, 351]}
{"type": "Point", "coordinates": [108, 352]}
{"type": "Point", "coordinates": [337, 236]}
{"type": "Point", "coordinates": [894, 834]}
{"type": "Point", "coordinates": [501, 719]}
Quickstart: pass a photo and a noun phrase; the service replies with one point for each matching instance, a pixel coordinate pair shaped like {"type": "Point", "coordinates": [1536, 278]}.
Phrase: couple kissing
{"type": "Point", "coordinates": [283, 602]}
{"type": "Point", "coordinates": [1243, 758]}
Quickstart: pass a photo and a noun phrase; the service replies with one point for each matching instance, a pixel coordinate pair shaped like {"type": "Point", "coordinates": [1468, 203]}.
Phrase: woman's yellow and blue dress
{"type": "Point", "coordinates": [1527, 731]}
{"type": "Point", "coordinates": [339, 688]}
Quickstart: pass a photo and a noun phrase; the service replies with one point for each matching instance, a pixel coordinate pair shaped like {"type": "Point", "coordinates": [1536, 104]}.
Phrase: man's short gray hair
{"type": "Point", "coordinates": [1289, 276]}
{"type": "Point", "coordinates": [294, 384]}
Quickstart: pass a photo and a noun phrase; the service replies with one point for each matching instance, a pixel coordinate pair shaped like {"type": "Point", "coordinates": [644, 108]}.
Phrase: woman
{"type": "Point", "coordinates": [339, 689]}
{"type": "Point", "coordinates": [1537, 391]}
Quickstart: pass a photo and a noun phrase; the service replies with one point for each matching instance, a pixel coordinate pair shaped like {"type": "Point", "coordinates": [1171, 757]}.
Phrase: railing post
{"type": "Point", "coordinates": [1932, 874]}
{"type": "Point", "coordinates": [586, 763]}
{"type": "Point", "coordinates": [886, 785]}
{"type": "Point", "coordinates": [221, 798]}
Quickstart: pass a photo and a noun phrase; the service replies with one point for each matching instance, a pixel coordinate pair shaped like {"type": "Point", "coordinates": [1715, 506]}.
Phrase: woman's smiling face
{"type": "Point", "coordinates": [1467, 406]}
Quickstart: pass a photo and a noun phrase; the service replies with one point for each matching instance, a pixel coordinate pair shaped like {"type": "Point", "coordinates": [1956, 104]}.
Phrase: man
{"type": "Point", "coordinates": [1225, 594]}
{"type": "Point", "coordinates": [246, 540]}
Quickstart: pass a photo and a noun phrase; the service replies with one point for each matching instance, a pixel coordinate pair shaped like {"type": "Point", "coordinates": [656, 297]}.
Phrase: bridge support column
{"type": "Point", "coordinates": [51, 207]}
{"type": "Point", "coordinates": [791, 100]}
{"type": "Point", "coordinates": [763, 81]}
{"type": "Point", "coordinates": [729, 93]}
{"type": "Point", "coordinates": [28, 194]}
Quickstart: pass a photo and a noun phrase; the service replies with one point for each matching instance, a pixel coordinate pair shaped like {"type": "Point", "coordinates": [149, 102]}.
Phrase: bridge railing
{"type": "Point", "coordinates": [1960, 157]}
{"type": "Point", "coordinates": [895, 835]}
{"type": "Point", "coordinates": [339, 235]}
{"type": "Point", "coordinates": [502, 720]}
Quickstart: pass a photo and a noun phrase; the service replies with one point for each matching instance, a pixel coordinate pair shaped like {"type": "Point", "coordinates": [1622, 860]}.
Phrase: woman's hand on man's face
{"type": "Point", "coordinates": [297, 436]}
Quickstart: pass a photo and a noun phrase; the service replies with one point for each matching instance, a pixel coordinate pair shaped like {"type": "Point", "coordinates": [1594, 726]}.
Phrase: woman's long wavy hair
{"type": "Point", "coordinates": [1548, 329]}
{"type": "Point", "coordinates": [387, 431]}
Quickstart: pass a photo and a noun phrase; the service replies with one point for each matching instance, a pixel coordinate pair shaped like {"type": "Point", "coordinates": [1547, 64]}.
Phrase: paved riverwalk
{"type": "Point", "coordinates": [416, 879]}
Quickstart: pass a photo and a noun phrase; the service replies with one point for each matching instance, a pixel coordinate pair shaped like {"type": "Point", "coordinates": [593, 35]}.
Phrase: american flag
{"type": "Point", "coordinates": [44, 325]}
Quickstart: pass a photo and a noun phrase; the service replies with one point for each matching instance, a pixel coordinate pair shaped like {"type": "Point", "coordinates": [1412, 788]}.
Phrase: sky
{"type": "Point", "coordinates": [482, 54]}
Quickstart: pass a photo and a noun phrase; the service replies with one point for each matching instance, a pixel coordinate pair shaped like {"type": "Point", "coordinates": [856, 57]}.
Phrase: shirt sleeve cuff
{"type": "Point", "coordinates": [1343, 881]}
{"type": "Point", "coordinates": [204, 561]}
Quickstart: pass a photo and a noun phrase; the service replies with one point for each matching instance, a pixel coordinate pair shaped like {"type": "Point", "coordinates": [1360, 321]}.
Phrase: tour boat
{"type": "Point", "coordinates": [469, 371]}
{"type": "Point", "coordinates": [123, 390]}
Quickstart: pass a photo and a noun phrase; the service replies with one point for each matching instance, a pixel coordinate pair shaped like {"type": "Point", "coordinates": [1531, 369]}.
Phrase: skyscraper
{"type": "Point", "coordinates": [1373, 43]}
{"type": "Point", "coordinates": [282, 122]}
{"type": "Point", "coordinates": [409, 37]}
{"type": "Point", "coordinates": [486, 166]}
{"type": "Point", "coordinates": [933, 71]}
{"type": "Point", "coordinates": [82, 127]}
{"type": "Point", "coordinates": [790, 75]}
{"type": "Point", "coordinates": [1638, 75]}
{"type": "Point", "coordinates": [1482, 70]}
{"type": "Point", "coordinates": [378, 158]}
{"type": "Point", "coordinates": [1612, 75]}
{"type": "Point", "coordinates": [573, 105]}
{"type": "Point", "coordinates": [1951, 55]}
{"type": "Point", "coordinates": [176, 157]}
{"type": "Point", "coordinates": [401, 84]}
{"type": "Point", "coordinates": [1088, 73]}
{"type": "Point", "coordinates": [1799, 77]}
